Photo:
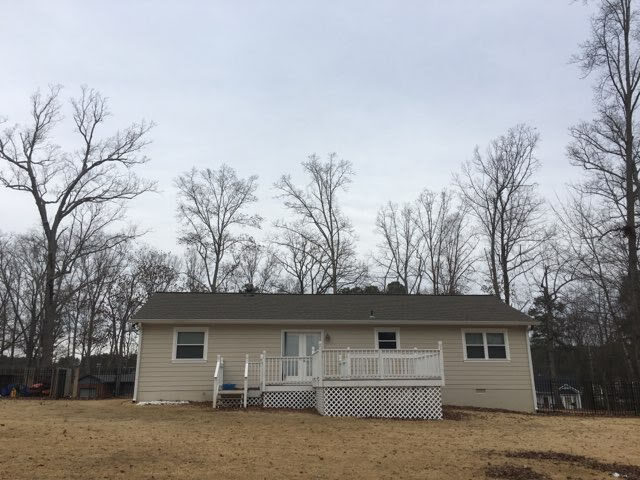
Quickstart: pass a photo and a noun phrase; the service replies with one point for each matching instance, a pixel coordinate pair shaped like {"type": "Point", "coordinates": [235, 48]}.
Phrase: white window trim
{"type": "Point", "coordinates": [394, 330]}
{"type": "Point", "coordinates": [299, 330]}
{"type": "Point", "coordinates": [484, 331]}
{"type": "Point", "coordinates": [175, 344]}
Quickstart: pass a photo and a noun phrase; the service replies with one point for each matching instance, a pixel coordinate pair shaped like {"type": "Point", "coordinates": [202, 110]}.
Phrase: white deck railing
{"type": "Point", "coordinates": [347, 364]}
{"type": "Point", "coordinates": [286, 370]}
{"type": "Point", "coordinates": [338, 365]}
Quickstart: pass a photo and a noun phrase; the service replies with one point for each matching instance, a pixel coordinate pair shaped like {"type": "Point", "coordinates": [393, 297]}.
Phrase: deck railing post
{"type": "Point", "coordinates": [380, 364]}
{"type": "Point", "coordinates": [441, 360]}
{"type": "Point", "coordinates": [263, 370]}
{"type": "Point", "coordinates": [320, 364]}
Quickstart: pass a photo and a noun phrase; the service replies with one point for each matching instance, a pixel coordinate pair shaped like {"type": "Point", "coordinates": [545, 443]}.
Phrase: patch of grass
{"type": "Point", "coordinates": [452, 413]}
{"type": "Point", "coordinates": [514, 472]}
{"type": "Point", "coordinates": [631, 472]}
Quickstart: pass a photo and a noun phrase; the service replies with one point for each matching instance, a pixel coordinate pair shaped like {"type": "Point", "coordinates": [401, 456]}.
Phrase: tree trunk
{"type": "Point", "coordinates": [630, 227]}
{"type": "Point", "coordinates": [13, 345]}
{"type": "Point", "coordinates": [30, 338]}
{"type": "Point", "coordinates": [505, 282]}
{"type": "Point", "coordinates": [334, 275]}
{"type": "Point", "coordinates": [493, 266]}
{"type": "Point", "coordinates": [551, 358]}
{"type": "Point", "coordinates": [50, 313]}
{"type": "Point", "coordinates": [74, 344]}
{"type": "Point", "coordinates": [87, 356]}
{"type": "Point", "coordinates": [5, 320]}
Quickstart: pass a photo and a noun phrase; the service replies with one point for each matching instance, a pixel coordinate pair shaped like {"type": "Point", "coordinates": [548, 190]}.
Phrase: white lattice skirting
{"type": "Point", "coordinates": [383, 402]}
{"type": "Point", "coordinates": [289, 399]}
{"type": "Point", "coordinates": [380, 402]}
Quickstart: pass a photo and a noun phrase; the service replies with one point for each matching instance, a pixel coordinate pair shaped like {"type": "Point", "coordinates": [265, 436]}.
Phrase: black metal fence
{"type": "Point", "coordinates": [587, 397]}
{"type": "Point", "coordinates": [106, 383]}
{"type": "Point", "coordinates": [67, 382]}
{"type": "Point", "coordinates": [26, 382]}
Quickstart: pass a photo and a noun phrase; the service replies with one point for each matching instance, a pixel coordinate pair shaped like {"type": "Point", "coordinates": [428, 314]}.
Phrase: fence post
{"type": "Point", "coordinates": [117, 382]}
{"type": "Point", "coordinates": [76, 377]}
{"type": "Point", "coordinates": [68, 379]}
{"type": "Point", "coordinates": [29, 376]}
{"type": "Point", "coordinates": [53, 384]}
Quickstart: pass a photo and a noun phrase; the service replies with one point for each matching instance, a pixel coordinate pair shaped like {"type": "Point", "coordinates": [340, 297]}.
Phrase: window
{"type": "Point", "coordinates": [387, 339]}
{"type": "Point", "coordinates": [496, 345]}
{"type": "Point", "coordinates": [475, 345]}
{"type": "Point", "coordinates": [190, 344]}
{"type": "Point", "coordinates": [490, 345]}
{"type": "Point", "coordinates": [300, 343]}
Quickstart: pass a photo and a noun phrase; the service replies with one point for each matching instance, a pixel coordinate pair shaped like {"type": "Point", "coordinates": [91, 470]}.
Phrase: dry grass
{"type": "Point", "coordinates": [116, 439]}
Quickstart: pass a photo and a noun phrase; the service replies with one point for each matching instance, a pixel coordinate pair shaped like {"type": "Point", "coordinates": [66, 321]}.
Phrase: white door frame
{"type": "Point", "coordinates": [303, 364]}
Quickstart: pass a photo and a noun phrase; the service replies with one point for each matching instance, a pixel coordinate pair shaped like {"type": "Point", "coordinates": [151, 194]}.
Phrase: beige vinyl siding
{"type": "Point", "coordinates": [481, 383]}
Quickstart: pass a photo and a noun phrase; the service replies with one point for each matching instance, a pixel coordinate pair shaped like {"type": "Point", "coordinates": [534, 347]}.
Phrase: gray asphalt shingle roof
{"type": "Point", "coordinates": [273, 307]}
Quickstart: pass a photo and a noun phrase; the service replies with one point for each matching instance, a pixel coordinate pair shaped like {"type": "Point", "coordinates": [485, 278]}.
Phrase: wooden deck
{"type": "Point", "coordinates": [403, 383]}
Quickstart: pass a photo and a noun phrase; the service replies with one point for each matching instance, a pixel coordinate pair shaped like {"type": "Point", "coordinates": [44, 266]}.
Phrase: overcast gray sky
{"type": "Point", "coordinates": [405, 90]}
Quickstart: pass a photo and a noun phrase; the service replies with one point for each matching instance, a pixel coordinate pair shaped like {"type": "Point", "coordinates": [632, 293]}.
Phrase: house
{"type": "Point", "coordinates": [104, 385]}
{"type": "Point", "coordinates": [361, 355]}
{"type": "Point", "coordinates": [568, 397]}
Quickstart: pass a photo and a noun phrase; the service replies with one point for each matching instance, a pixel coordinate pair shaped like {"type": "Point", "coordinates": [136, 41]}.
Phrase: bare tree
{"type": "Point", "coordinates": [67, 185]}
{"type": "Point", "coordinates": [98, 274]}
{"type": "Point", "coordinates": [258, 269]}
{"type": "Point", "coordinates": [300, 260]}
{"type": "Point", "coordinates": [499, 189]}
{"type": "Point", "coordinates": [552, 278]}
{"type": "Point", "coordinates": [193, 278]}
{"type": "Point", "coordinates": [448, 243]}
{"type": "Point", "coordinates": [212, 206]}
{"type": "Point", "coordinates": [460, 259]}
{"type": "Point", "coordinates": [5, 326]}
{"type": "Point", "coordinates": [400, 252]}
{"type": "Point", "coordinates": [599, 263]}
{"type": "Point", "coordinates": [22, 274]}
{"type": "Point", "coordinates": [607, 147]}
{"type": "Point", "coordinates": [148, 271]}
{"type": "Point", "coordinates": [156, 271]}
{"type": "Point", "coordinates": [324, 224]}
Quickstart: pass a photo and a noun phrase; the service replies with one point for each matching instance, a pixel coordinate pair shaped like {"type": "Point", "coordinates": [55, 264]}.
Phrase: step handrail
{"type": "Point", "coordinates": [246, 380]}
{"type": "Point", "coordinates": [218, 379]}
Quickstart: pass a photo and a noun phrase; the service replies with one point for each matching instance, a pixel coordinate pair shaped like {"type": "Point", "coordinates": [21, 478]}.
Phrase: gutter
{"type": "Point", "coordinates": [222, 321]}
{"type": "Point", "coordinates": [533, 382]}
{"type": "Point", "coordinates": [138, 356]}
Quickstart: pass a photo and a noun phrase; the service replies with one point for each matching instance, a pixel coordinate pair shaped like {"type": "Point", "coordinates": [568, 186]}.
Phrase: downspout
{"type": "Point", "coordinates": [139, 354]}
{"type": "Point", "coordinates": [533, 383]}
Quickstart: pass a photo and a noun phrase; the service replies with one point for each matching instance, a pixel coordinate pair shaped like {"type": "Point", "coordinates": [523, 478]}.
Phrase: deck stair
{"type": "Point", "coordinates": [226, 396]}
{"type": "Point", "coordinates": [236, 394]}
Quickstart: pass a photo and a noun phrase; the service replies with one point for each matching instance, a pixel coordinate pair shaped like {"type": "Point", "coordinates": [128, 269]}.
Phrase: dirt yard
{"type": "Point", "coordinates": [116, 439]}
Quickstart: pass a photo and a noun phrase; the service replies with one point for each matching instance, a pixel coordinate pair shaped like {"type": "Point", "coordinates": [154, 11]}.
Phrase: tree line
{"type": "Point", "coordinates": [69, 287]}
